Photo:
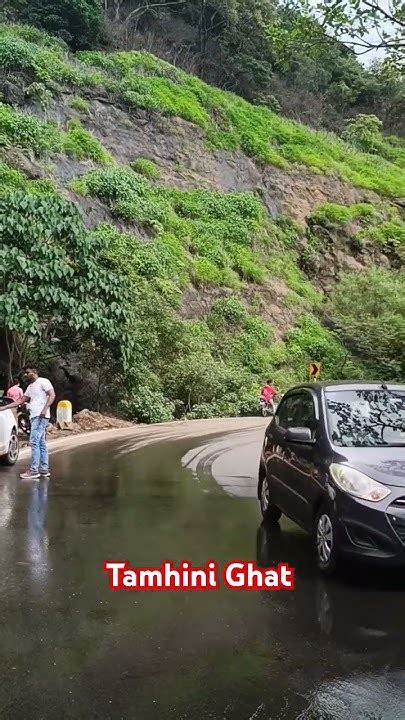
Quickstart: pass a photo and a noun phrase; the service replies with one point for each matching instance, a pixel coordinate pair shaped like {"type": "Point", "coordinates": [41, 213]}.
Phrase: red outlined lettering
{"type": "Point", "coordinates": [245, 575]}
{"type": "Point", "coordinates": [236, 575]}
{"type": "Point", "coordinates": [166, 577]}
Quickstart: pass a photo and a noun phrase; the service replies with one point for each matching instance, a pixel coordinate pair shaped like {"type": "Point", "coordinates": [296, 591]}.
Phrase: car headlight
{"type": "Point", "coordinates": [356, 483]}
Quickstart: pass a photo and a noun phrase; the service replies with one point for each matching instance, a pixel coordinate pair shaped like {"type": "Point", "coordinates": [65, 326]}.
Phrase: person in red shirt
{"type": "Point", "coordinates": [15, 392]}
{"type": "Point", "coordinates": [267, 393]}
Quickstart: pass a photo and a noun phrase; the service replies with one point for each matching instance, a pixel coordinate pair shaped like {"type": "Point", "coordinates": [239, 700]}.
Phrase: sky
{"type": "Point", "coordinates": [373, 54]}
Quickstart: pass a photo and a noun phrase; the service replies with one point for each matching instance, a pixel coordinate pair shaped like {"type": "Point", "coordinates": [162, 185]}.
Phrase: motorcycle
{"type": "Point", "coordinates": [23, 419]}
{"type": "Point", "coordinates": [269, 407]}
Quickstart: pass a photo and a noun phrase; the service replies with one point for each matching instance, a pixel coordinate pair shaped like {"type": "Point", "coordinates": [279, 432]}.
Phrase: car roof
{"type": "Point", "coordinates": [325, 385]}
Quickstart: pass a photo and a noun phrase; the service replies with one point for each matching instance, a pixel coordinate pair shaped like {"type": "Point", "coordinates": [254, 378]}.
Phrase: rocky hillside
{"type": "Point", "coordinates": [216, 242]}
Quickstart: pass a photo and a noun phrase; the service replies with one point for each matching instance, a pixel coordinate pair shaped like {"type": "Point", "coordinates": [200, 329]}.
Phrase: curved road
{"type": "Point", "coordinates": [69, 648]}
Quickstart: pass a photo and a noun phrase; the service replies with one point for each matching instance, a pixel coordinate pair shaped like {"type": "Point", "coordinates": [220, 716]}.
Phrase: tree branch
{"type": "Point", "coordinates": [387, 15]}
{"type": "Point", "coordinates": [147, 7]}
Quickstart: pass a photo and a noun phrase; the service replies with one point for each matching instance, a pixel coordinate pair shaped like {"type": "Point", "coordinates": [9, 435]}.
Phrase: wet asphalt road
{"type": "Point", "coordinates": [71, 649]}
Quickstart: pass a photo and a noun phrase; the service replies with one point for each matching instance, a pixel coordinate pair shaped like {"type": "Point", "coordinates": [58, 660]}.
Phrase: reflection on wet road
{"type": "Point", "coordinates": [71, 649]}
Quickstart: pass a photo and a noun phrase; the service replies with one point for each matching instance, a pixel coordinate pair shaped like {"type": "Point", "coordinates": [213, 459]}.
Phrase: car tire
{"type": "Point", "coordinates": [12, 455]}
{"type": "Point", "coordinates": [325, 542]}
{"type": "Point", "coordinates": [271, 513]}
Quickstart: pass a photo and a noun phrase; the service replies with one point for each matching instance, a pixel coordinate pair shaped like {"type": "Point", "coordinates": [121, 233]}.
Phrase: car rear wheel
{"type": "Point", "coordinates": [325, 542]}
{"type": "Point", "coordinates": [11, 456]}
{"type": "Point", "coordinates": [271, 513]}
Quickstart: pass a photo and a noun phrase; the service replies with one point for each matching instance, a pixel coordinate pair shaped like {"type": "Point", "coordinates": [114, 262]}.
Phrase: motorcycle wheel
{"type": "Point", "coordinates": [24, 425]}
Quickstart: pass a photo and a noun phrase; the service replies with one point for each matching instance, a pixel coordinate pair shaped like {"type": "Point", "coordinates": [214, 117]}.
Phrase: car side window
{"type": "Point", "coordinates": [304, 415]}
{"type": "Point", "coordinates": [285, 413]}
{"type": "Point", "coordinates": [297, 411]}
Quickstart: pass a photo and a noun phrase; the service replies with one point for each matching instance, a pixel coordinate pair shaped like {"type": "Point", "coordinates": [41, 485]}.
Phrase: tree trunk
{"type": "Point", "coordinates": [202, 30]}
{"type": "Point", "coordinates": [9, 359]}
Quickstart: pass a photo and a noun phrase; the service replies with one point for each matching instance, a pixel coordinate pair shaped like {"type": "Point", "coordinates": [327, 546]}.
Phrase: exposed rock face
{"type": "Point", "coordinates": [180, 150]}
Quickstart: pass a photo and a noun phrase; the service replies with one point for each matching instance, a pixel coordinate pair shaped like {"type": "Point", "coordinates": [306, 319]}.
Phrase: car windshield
{"type": "Point", "coordinates": [366, 418]}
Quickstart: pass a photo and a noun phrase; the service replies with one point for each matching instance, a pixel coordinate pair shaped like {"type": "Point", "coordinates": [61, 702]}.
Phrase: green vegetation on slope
{"type": "Point", "coordinates": [379, 225]}
{"type": "Point", "coordinates": [117, 297]}
{"type": "Point", "coordinates": [377, 333]}
{"type": "Point", "coordinates": [161, 365]}
{"type": "Point", "coordinates": [227, 236]}
{"type": "Point", "coordinates": [142, 81]}
{"type": "Point", "coordinates": [272, 54]}
{"type": "Point", "coordinates": [27, 131]}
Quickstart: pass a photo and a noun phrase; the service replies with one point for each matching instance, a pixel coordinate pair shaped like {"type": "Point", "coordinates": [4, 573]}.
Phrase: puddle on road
{"type": "Point", "coordinates": [70, 648]}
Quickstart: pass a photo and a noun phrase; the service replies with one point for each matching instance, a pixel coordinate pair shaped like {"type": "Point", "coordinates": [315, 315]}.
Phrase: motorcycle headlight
{"type": "Point", "coordinates": [356, 483]}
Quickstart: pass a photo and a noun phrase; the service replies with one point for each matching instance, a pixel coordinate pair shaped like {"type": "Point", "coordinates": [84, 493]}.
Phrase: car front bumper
{"type": "Point", "coordinates": [370, 531]}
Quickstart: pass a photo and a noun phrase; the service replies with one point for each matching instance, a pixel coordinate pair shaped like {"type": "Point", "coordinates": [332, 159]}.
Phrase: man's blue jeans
{"type": "Point", "coordinates": [39, 450]}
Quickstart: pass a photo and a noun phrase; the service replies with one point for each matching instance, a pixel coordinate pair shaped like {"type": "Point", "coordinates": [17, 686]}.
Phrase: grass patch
{"type": "Point", "coordinates": [379, 224]}
{"type": "Point", "coordinates": [285, 266]}
{"type": "Point", "coordinates": [331, 215]}
{"type": "Point", "coordinates": [78, 103]}
{"type": "Point", "coordinates": [389, 234]}
{"type": "Point", "coordinates": [45, 138]}
{"type": "Point", "coordinates": [145, 167]}
{"type": "Point", "coordinates": [12, 180]}
{"type": "Point", "coordinates": [80, 143]}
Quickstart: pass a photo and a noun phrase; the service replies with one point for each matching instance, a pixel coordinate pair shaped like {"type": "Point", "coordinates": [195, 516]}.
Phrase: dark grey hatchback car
{"type": "Point", "coordinates": [333, 460]}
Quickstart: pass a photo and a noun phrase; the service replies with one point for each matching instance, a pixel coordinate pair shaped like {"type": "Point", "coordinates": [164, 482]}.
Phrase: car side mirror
{"type": "Point", "coordinates": [299, 435]}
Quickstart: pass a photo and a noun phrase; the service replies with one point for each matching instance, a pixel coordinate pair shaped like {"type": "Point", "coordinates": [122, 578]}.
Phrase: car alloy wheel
{"type": "Point", "coordinates": [13, 447]}
{"type": "Point", "coordinates": [12, 454]}
{"type": "Point", "coordinates": [265, 495]}
{"type": "Point", "coordinates": [324, 538]}
{"type": "Point", "coordinates": [271, 513]}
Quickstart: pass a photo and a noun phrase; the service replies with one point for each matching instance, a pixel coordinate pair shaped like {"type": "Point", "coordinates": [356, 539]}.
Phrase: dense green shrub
{"type": "Point", "coordinates": [376, 335]}
{"type": "Point", "coordinates": [205, 272]}
{"type": "Point", "coordinates": [10, 179]}
{"type": "Point", "coordinates": [311, 341]}
{"type": "Point", "coordinates": [364, 132]}
{"type": "Point", "coordinates": [79, 22]}
{"type": "Point", "coordinates": [229, 312]}
{"type": "Point", "coordinates": [116, 184]}
{"type": "Point", "coordinates": [62, 288]}
{"type": "Point", "coordinates": [147, 405]}
{"type": "Point", "coordinates": [206, 205]}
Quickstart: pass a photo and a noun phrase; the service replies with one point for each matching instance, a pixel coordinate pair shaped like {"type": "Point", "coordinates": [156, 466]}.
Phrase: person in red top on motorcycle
{"type": "Point", "coordinates": [267, 394]}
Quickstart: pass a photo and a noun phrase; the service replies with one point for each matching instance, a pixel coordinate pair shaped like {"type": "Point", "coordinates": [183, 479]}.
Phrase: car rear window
{"type": "Point", "coordinates": [366, 418]}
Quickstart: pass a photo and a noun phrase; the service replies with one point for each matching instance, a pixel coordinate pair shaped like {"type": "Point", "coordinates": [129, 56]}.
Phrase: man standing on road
{"type": "Point", "coordinates": [40, 396]}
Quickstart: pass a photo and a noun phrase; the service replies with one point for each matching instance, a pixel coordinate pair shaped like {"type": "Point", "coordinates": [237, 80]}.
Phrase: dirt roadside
{"type": "Point", "coordinates": [148, 434]}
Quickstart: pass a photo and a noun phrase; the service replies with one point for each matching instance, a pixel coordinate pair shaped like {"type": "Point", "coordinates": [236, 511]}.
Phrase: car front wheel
{"type": "Point", "coordinates": [325, 542]}
{"type": "Point", "coordinates": [11, 456]}
{"type": "Point", "coordinates": [271, 513]}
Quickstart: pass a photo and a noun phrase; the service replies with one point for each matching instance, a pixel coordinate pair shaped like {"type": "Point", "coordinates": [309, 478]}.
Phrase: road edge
{"type": "Point", "coordinates": [181, 428]}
